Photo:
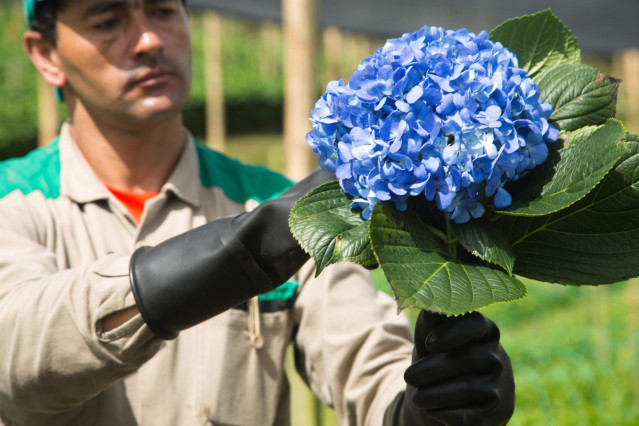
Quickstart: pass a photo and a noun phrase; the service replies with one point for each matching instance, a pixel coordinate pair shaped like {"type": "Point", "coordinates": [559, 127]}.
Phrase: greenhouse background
{"type": "Point", "coordinates": [575, 351]}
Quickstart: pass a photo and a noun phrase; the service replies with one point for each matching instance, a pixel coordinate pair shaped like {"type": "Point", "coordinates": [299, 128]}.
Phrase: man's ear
{"type": "Point", "coordinates": [44, 56]}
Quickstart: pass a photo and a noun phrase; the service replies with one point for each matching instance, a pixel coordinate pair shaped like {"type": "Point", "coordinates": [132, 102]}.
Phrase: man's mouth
{"type": "Point", "coordinates": [153, 77]}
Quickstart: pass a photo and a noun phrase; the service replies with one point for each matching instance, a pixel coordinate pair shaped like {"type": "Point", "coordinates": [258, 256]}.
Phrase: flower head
{"type": "Point", "coordinates": [443, 114]}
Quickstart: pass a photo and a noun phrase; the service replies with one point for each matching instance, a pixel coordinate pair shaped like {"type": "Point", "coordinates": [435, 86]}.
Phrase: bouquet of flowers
{"type": "Point", "coordinates": [464, 161]}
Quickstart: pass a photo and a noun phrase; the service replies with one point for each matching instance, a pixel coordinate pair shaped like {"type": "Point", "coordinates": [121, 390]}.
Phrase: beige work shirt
{"type": "Point", "coordinates": [65, 244]}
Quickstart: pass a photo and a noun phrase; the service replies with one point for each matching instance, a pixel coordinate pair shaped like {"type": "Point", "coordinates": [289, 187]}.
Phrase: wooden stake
{"type": "Point", "coordinates": [363, 48]}
{"type": "Point", "coordinates": [300, 22]}
{"type": "Point", "coordinates": [48, 115]}
{"type": "Point", "coordinates": [631, 83]}
{"type": "Point", "coordinates": [270, 50]}
{"type": "Point", "coordinates": [215, 128]}
{"type": "Point", "coordinates": [626, 67]}
{"type": "Point", "coordinates": [305, 406]}
{"type": "Point", "coordinates": [332, 40]}
{"type": "Point", "coordinates": [632, 301]}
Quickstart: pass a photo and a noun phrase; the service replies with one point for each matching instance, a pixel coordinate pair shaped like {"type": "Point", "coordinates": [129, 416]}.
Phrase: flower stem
{"type": "Point", "coordinates": [451, 240]}
{"type": "Point", "coordinates": [493, 216]}
{"type": "Point", "coordinates": [438, 233]}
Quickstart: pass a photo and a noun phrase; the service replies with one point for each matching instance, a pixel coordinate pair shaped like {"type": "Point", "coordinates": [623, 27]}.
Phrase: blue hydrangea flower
{"type": "Point", "coordinates": [443, 114]}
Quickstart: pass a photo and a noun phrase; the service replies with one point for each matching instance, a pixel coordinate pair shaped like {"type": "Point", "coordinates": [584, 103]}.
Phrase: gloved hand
{"type": "Point", "coordinates": [208, 270]}
{"type": "Point", "coordinates": [460, 375]}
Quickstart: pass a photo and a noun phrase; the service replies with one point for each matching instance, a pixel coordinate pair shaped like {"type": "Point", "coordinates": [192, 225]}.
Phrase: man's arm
{"type": "Point", "coordinates": [352, 347]}
{"type": "Point", "coordinates": [51, 337]}
{"type": "Point", "coordinates": [118, 318]}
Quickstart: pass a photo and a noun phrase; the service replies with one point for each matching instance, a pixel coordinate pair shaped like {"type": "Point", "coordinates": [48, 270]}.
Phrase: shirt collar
{"type": "Point", "coordinates": [79, 182]}
{"type": "Point", "coordinates": [184, 180]}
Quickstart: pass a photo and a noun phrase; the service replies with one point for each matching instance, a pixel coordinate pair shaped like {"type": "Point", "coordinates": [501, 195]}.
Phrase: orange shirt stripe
{"type": "Point", "coordinates": [132, 200]}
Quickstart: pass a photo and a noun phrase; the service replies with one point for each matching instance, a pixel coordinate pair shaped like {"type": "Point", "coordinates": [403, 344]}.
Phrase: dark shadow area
{"type": "Point", "coordinates": [242, 116]}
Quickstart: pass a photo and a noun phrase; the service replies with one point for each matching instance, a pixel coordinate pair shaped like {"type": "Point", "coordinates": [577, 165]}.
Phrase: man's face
{"type": "Point", "coordinates": [126, 61]}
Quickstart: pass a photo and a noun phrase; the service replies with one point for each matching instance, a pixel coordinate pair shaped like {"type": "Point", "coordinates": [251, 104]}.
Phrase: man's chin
{"type": "Point", "coordinates": [156, 111]}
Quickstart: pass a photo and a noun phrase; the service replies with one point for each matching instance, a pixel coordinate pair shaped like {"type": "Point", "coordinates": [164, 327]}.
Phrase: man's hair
{"type": "Point", "coordinates": [45, 16]}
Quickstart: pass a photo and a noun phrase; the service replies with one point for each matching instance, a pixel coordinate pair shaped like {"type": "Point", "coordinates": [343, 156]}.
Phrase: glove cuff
{"type": "Point", "coordinates": [392, 415]}
{"type": "Point", "coordinates": [193, 277]}
{"type": "Point", "coordinates": [402, 412]}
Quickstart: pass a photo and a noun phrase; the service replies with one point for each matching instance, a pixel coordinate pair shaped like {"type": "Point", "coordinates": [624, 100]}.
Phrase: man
{"type": "Point", "coordinates": [97, 328]}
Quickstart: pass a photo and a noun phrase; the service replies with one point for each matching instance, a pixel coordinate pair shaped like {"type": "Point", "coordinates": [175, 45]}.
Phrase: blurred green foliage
{"type": "Point", "coordinates": [252, 79]}
{"type": "Point", "coordinates": [575, 353]}
{"type": "Point", "coordinates": [18, 121]}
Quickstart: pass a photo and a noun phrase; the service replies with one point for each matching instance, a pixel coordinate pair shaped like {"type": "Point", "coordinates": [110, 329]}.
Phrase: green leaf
{"type": "Point", "coordinates": [424, 275]}
{"type": "Point", "coordinates": [570, 171]}
{"type": "Point", "coordinates": [595, 241]}
{"type": "Point", "coordinates": [540, 41]}
{"type": "Point", "coordinates": [580, 95]}
{"type": "Point", "coordinates": [329, 230]}
{"type": "Point", "coordinates": [484, 240]}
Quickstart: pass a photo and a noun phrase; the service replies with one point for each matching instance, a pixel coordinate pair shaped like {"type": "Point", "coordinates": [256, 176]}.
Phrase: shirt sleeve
{"type": "Point", "coordinates": [352, 346]}
{"type": "Point", "coordinates": [53, 353]}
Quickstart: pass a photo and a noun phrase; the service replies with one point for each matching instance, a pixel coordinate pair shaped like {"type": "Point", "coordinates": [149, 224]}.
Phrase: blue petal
{"type": "Point", "coordinates": [502, 199]}
{"type": "Point", "coordinates": [444, 199]}
{"type": "Point", "coordinates": [402, 106]}
{"type": "Point", "coordinates": [414, 94]}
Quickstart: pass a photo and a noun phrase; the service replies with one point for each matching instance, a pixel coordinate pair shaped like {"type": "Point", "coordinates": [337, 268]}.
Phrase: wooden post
{"type": "Point", "coordinates": [632, 301]}
{"type": "Point", "coordinates": [300, 22]}
{"type": "Point", "coordinates": [215, 128]}
{"type": "Point", "coordinates": [332, 40]}
{"type": "Point", "coordinates": [48, 116]}
{"type": "Point", "coordinates": [351, 54]}
{"type": "Point", "coordinates": [346, 55]}
{"type": "Point", "coordinates": [304, 407]}
{"type": "Point", "coordinates": [270, 51]}
{"type": "Point", "coordinates": [363, 47]}
{"type": "Point", "coordinates": [344, 51]}
{"type": "Point", "coordinates": [630, 78]}
{"type": "Point", "coordinates": [299, 19]}
{"type": "Point", "coordinates": [626, 67]}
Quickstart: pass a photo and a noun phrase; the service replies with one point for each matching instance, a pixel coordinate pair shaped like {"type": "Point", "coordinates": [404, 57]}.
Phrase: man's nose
{"type": "Point", "coordinates": [148, 41]}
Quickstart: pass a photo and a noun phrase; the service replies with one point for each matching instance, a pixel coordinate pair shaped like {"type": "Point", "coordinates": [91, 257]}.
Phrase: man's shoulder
{"type": "Point", "coordinates": [239, 181]}
{"type": "Point", "coordinates": [37, 171]}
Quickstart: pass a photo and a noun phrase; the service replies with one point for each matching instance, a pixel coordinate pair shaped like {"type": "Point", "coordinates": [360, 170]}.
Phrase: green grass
{"type": "Point", "coordinates": [575, 353]}
{"type": "Point", "coordinates": [575, 361]}
{"type": "Point", "coordinates": [263, 149]}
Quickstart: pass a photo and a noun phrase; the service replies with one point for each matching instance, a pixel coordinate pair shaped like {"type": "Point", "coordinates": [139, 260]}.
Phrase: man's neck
{"type": "Point", "coordinates": [139, 160]}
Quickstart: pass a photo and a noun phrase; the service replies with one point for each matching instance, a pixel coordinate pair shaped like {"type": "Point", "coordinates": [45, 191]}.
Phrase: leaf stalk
{"type": "Point", "coordinates": [451, 240]}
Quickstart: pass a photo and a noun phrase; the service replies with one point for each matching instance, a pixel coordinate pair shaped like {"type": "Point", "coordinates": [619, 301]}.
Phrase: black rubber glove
{"type": "Point", "coordinates": [460, 375]}
{"type": "Point", "coordinates": [208, 270]}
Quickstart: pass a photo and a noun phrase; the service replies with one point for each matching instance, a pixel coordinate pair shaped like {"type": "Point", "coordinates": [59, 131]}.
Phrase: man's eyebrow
{"type": "Point", "coordinates": [160, 1]}
{"type": "Point", "coordinates": [102, 7]}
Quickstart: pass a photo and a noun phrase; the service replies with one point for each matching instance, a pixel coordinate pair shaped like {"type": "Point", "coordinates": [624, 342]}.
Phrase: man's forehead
{"type": "Point", "coordinates": [90, 4]}
{"type": "Point", "coordinates": [81, 6]}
